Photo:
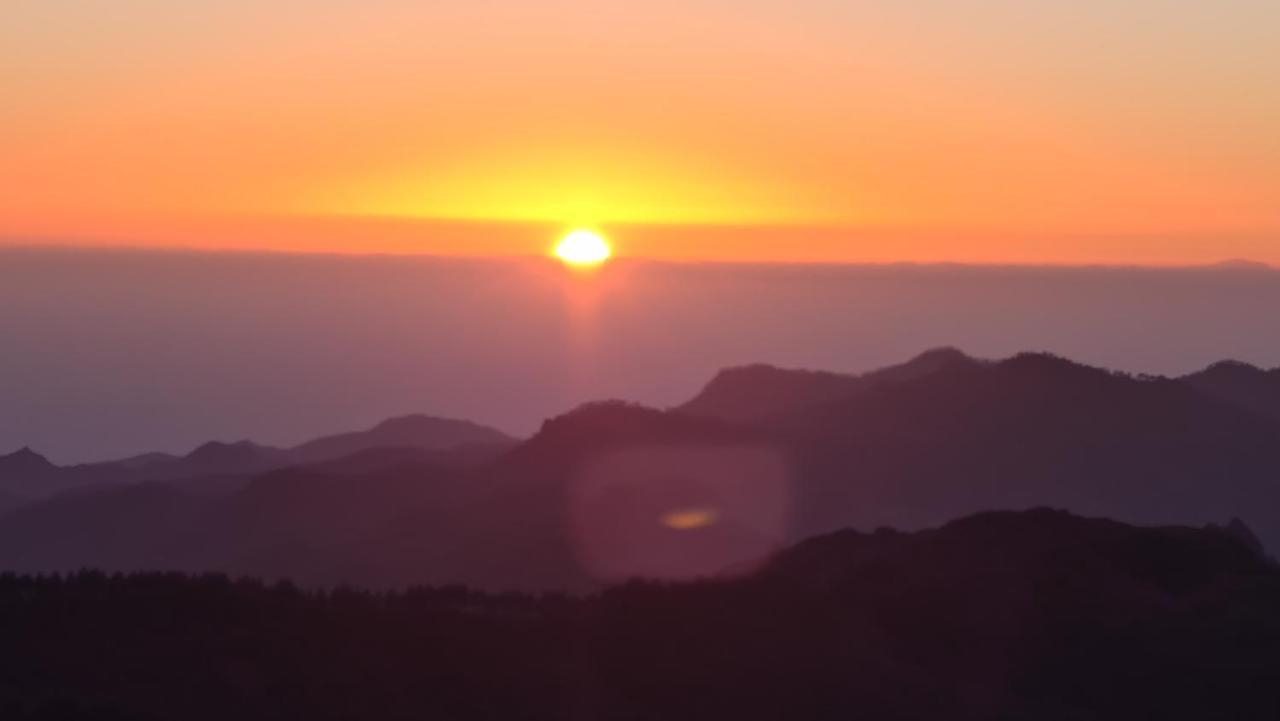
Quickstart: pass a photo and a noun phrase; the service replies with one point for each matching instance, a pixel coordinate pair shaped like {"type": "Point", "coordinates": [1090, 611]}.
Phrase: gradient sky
{"type": "Point", "coordinates": [982, 131]}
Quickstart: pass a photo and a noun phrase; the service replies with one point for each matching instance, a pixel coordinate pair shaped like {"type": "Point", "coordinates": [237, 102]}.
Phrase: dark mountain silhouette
{"type": "Point", "coordinates": [25, 461]}
{"type": "Point", "coordinates": [998, 616]}
{"type": "Point", "coordinates": [241, 455]}
{"type": "Point", "coordinates": [1031, 430]}
{"type": "Point", "coordinates": [9, 501]}
{"type": "Point", "coordinates": [1241, 384]}
{"type": "Point", "coordinates": [565, 440]}
{"type": "Point", "coordinates": [25, 471]}
{"type": "Point", "coordinates": [217, 467]}
{"type": "Point", "coordinates": [145, 459]}
{"type": "Point", "coordinates": [376, 459]}
{"type": "Point", "coordinates": [414, 431]}
{"type": "Point", "coordinates": [612, 489]}
{"type": "Point", "coordinates": [1237, 529]}
{"type": "Point", "coordinates": [751, 393]}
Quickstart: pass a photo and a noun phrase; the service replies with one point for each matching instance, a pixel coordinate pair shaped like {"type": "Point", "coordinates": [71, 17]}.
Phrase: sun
{"type": "Point", "coordinates": [583, 249]}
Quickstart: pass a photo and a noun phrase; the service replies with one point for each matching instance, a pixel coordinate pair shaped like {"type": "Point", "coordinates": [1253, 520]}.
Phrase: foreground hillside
{"type": "Point", "coordinates": [1031, 615]}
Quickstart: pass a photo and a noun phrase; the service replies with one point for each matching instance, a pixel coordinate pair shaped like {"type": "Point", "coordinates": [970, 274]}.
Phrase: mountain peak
{"type": "Point", "coordinates": [603, 414]}
{"type": "Point", "coordinates": [752, 392]}
{"type": "Point", "coordinates": [755, 392]}
{"type": "Point", "coordinates": [411, 419]}
{"type": "Point", "coordinates": [594, 426]}
{"type": "Point", "coordinates": [1239, 383]}
{"type": "Point", "coordinates": [1045, 362]}
{"type": "Point", "coordinates": [220, 451]}
{"type": "Point", "coordinates": [423, 423]}
{"type": "Point", "coordinates": [1237, 529]}
{"type": "Point", "coordinates": [934, 360]}
{"type": "Point", "coordinates": [942, 354]}
{"type": "Point", "coordinates": [1234, 368]}
{"type": "Point", "coordinates": [24, 471]}
{"type": "Point", "coordinates": [416, 430]}
{"type": "Point", "coordinates": [25, 460]}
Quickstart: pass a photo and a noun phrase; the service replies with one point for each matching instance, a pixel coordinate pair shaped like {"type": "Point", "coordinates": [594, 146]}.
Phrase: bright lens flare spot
{"type": "Point", "coordinates": [687, 519]}
{"type": "Point", "coordinates": [583, 249]}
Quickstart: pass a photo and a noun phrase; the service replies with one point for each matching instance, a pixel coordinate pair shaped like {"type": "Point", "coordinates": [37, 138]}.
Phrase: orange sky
{"type": "Point", "coordinates": [983, 131]}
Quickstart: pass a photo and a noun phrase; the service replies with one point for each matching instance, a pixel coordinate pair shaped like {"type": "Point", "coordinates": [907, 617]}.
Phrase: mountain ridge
{"type": "Point", "coordinates": [612, 488]}
{"type": "Point", "coordinates": [26, 474]}
{"type": "Point", "coordinates": [736, 394]}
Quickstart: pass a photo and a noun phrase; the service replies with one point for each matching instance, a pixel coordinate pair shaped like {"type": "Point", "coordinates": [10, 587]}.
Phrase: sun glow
{"type": "Point", "coordinates": [583, 249]}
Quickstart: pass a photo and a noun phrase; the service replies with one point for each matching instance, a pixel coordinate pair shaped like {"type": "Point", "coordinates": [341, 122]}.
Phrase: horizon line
{"type": "Point", "coordinates": [57, 244]}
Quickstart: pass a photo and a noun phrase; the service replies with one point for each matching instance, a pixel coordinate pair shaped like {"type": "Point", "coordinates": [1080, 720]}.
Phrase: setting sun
{"type": "Point", "coordinates": [583, 248]}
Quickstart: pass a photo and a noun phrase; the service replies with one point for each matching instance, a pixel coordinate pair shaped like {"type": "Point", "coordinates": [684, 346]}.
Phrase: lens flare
{"type": "Point", "coordinates": [687, 519]}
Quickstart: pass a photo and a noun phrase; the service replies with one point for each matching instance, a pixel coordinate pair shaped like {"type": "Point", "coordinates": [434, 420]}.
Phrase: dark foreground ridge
{"type": "Point", "coordinates": [1015, 615]}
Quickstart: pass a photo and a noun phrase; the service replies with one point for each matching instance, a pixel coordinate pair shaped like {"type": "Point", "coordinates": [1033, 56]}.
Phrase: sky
{"type": "Point", "coordinates": [986, 131]}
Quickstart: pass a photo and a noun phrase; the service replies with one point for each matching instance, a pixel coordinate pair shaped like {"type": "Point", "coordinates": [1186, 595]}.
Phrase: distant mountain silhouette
{"type": "Point", "coordinates": [26, 471]}
{"type": "Point", "coordinates": [1033, 430]}
{"type": "Point", "coordinates": [758, 460]}
{"type": "Point", "coordinates": [998, 616]}
{"type": "Point", "coordinates": [222, 466]}
{"type": "Point", "coordinates": [145, 459]}
{"type": "Point", "coordinates": [751, 393]}
{"type": "Point", "coordinates": [1241, 384]}
{"type": "Point", "coordinates": [1237, 529]}
{"type": "Point", "coordinates": [241, 455]}
{"type": "Point", "coordinates": [414, 431]}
